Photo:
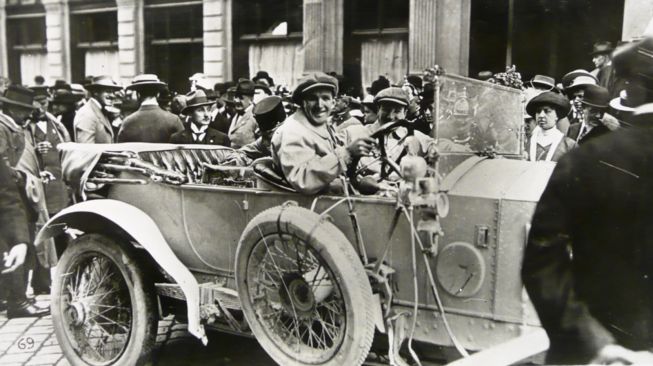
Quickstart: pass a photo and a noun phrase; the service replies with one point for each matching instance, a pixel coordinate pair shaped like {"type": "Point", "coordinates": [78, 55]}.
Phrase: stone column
{"type": "Point", "coordinates": [637, 16]}
{"type": "Point", "coordinates": [452, 38]}
{"type": "Point", "coordinates": [422, 35]}
{"type": "Point", "coordinates": [131, 39]}
{"type": "Point", "coordinates": [57, 28]}
{"type": "Point", "coordinates": [323, 35]}
{"type": "Point", "coordinates": [217, 40]}
{"type": "Point", "coordinates": [4, 64]}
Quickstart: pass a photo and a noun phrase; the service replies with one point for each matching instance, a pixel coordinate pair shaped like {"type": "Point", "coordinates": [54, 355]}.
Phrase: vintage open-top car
{"type": "Point", "coordinates": [432, 259]}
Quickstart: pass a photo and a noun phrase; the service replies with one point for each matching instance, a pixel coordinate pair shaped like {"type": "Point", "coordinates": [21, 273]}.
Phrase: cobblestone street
{"type": "Point", "coordinates": [31, 341]}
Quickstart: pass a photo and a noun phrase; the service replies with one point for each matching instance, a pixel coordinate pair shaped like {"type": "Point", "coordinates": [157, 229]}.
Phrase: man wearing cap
{"type": "Point", "coordinates": [92, 123]}
{"type": "Point", "coordinates": [369, 110]}
{"type": "Point", "coordinates": [269, 114]}
{"type": "Point", "coordinates": [149, 123]}
{"type": "Point", "coordinates": [547, 143]}
{"type": "Point", "coordinates": [198, 131]}
{"type": "Point", "coordinates": [602, 61]}
{"type": "Point", "coordinates": [392, 104]}
{"type": "Point", "coordinates": [306, 148]}
{"type": "Point", "coordinates": [341, 117]}
{"type": "Point", "coordinates": [17, 106]}
{"type": "Point", "coordinates": [588, 263]}
{"type": "Point", "coordinates": [242, 130]}
{"type": "Point", "coordinates": [595, 103]}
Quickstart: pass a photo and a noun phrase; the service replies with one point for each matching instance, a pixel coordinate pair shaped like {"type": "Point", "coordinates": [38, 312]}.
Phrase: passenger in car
{"type": "Point", "coordinates": [197, 130]}
{"type": "Point", "coordinates": [269, 114]}
{"type": "Point", "coordinates": [306, 148]}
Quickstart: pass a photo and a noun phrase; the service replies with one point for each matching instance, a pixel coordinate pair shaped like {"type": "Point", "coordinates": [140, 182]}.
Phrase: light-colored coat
{"type": "Point", "coordinates": [308, 155]}
{"type": "Point", "coordinates": [91, 125]}
{"type": "Point", "coordinates": [243, 130]}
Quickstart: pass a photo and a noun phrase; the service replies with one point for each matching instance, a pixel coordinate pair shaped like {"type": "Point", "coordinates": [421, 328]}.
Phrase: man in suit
{"type": "Point", "coordinates": [601, 58]}
{"type": "Point", "coordinates": [242, 130]}
{"type": "Point", "coordinates": [149, 123]}
{"type": "Point", "coordinates": [63, 105]}
{"type": "Point", "coordinates": [17, 105]}
{"type": "Point", "coordinates": [221, 116]}
{"type": "Point", "coordinates": [92, 124]}
{"type": "Point", "coordinates": [547, 143]}
{"type": "Point", "coordinates": [588, 264]}
{"type": "Point", "coordinates": [595, 103]}
{"type": "Point", "coordinates": [198, 131]}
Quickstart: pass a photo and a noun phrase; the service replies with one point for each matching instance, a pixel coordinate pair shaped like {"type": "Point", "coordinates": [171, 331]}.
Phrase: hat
{"type": "Point", "coordinates": [555, 100]}
{"type": "Point", "coordinates": [596, 96]}
{"type": "Point", "coordinates": [146, 80]}
{"type": "Point", "coordinates": [19, 96]}
{"type": "Point", "coordinates": [103, 82]}
{"type": "Point", "coordinates": [633, 60]}
{"type": "Point", "coordinates": [415, 80]}
{"type": "Point", "coordinates": [64, 96]}
{"type": "Point", "coordinates": [601, 48]}
{"type": "Point", "coordinates": [623, 103]}
{"type": "Point", "coordinates": [263, 75]}
{"type": "Point", "coordinates": [269, 112]}
{"type": "Point", "coordinates": [78, 89]}
{"type": "Point", "coordinates": [379, 84]}
{"type": "Point", "coordinates": [61, 84]}
{"type": "Point", "coordinates": [228, 97]}
{"type": "Point", "coordinates": [245, 87]}
{"type": "Point", "coordinates": [312, 82]}
{"type": "Point", "coordinates": [393, 95]}
{"type": "Point", "coordinates": [580, 82]}
{"type": "Point", "coordinates": [569, 78]}
{"type": "Point", "coordinates": [543, 82]}
{"type": "Point", "coordinates": [263, 87]}
{"type": "Point", "coordinates": [197, 76]}
{"type": "Point", "coordinates": [40, 90]}
{"type": "Point", "coordinates": [369, 99]}
{"type": "Point", "coordinates": [195, 99]}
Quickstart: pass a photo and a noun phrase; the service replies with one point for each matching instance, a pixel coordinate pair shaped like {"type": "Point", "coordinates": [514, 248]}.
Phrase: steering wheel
{"type": "Point", "coordinates": [388, 166]}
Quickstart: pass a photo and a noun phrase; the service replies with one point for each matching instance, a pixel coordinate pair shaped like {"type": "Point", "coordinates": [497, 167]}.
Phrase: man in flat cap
{"type": "Point", "coordinates": [306, 148]}
{"type": "Point", "coordinates": [149, 123]}
{"type": "Point", "coordinates": [242, 129]}
{"type": "Point", "coordinates": [92, 123]}
{"type": "Point", "coordinates": [198, 131]}
{"type": "Point", "coordinates": [588, 264]}
{"type": "Point", "coordinates": [547, 143]}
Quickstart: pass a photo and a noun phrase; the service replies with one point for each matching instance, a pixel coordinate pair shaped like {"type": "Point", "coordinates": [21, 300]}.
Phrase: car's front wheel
{"type": "Point", "coordinates": [303, 290]}
{"type": "Point", "coordinates": [103, 307]}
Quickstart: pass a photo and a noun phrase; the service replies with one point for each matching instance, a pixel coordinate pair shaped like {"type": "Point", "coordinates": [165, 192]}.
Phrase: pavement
{"type": "Point", "coordinates": [31, 341]}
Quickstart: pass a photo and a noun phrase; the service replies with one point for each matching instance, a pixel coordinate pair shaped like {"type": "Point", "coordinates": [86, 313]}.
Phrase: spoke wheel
{"type": "Point", "coordinates": [102, 308]}
{"type": "Point", "coordinates": [304, 291]}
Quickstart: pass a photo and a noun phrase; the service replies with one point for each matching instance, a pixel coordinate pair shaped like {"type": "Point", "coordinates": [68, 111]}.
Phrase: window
{"type": "Point", "coordinates": [382, 16]}
{"type": "Point", "coordinates": [26, 50]}
{"type": "Point", "coordinates": [269, 18]}
{"type": "Point", "coordinates": [174, 38]}
{"type": "Point", "coordinates": [94, 42]}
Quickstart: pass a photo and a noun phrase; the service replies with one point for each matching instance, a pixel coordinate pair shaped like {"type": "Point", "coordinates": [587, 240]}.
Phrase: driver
{"type": "Point", "coordinates": [306, 148]}
{"type": "Point", "coordinates": [392, 104]}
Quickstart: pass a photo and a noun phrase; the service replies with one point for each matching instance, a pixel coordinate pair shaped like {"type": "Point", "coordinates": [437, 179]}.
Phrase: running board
{"type": "Point", "coordinates": [210, 293]}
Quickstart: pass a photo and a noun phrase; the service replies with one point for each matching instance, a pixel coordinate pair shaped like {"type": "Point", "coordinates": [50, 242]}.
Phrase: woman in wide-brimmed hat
{"type": "Point", "coordinates": [547, 143]}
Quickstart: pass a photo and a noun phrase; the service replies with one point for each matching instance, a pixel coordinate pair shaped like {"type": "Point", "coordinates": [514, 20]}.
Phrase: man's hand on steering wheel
{"type": "Point", "coordinates": [360, 147]}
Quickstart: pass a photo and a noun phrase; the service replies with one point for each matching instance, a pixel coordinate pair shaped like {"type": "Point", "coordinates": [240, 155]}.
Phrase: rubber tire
{"type": "Point", "coordinates": [142, 340]}
{"type": "Point", "coordinates": [342, 260]}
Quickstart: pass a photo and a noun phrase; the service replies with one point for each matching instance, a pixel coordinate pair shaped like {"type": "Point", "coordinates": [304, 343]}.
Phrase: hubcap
{"type": "Point", "coordinates": [297, 295]}
{"type": "Point", "coordinates": [77, 313]}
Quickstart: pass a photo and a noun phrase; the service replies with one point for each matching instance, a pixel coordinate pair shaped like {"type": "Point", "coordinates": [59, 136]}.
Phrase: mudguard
{"type": "Point", "coordinates": [143, 230]}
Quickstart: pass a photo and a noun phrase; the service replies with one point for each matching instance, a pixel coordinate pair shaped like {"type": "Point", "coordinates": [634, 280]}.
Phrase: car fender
{"type": "Point", "coordinates": [145, 232]}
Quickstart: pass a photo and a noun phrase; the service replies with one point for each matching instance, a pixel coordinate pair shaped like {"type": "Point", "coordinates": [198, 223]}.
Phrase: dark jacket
{"type": "Point", "coordinates": [588, 264]}
{"type": "Point", "coordinates": [221, 122]}
{"type": "Point", "coordinates": [212, 137]}
{"type": "Point", "coordinates": [149, 123]}
{"type": "Point", "coordinates": [597, 131]}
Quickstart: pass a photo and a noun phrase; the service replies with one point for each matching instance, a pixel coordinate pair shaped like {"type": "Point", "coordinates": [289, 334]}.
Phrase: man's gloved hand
{"type": "Point", "coordinates": [15, 258]}
{"type": "Point", "coordinates": [613, 354]}
{"type": "Point", "coordinates": [360, 147]}
{"type": "Point", "coordinates": [43, 147]}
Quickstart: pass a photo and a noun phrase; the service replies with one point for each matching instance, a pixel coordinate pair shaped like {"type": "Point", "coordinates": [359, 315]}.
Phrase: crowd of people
{"type": "Point", "coordinates": [314, 134]}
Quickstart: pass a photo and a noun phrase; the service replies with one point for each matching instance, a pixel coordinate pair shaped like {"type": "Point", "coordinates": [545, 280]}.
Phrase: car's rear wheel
{"type": "Point", "coordinates": [103, 308]}
{"type": "Point", "coordinates": [303, 289]}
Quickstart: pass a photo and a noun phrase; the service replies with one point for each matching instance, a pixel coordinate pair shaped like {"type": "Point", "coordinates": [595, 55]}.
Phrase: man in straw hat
{"type": "Point", "coordinates": [547, 143]}
{"type": "Point", "coordinates": [92, 123]}
{"type": "Point", "coordinates": [198, 131]}
{"type": "Point", "coordinates": [588, 264]}
{"type": "Point", "coordinates": [17, 105]}
{"type": "Point", "coordinates": [306, 148]}
{"type": "Point", "coordinates": [149, 123]}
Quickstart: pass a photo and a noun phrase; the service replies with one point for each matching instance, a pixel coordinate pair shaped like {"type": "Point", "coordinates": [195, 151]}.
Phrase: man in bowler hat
{"type": "Point", "coordinates": [150, 123]}
{"type": "Point", "coordinates": [588, 263]}
{"type": "Point", "coordinates": [242, 129]}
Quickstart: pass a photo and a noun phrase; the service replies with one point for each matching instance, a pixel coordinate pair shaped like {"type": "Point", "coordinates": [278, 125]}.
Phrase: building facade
{"type": "Point", "coordinates": [362, 39]}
